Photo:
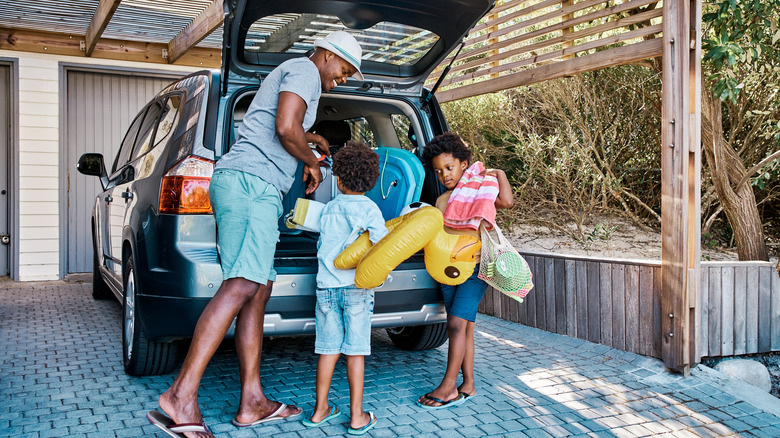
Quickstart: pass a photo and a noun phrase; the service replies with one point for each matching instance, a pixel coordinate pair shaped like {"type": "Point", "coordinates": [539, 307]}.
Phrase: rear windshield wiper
{"type": "Point", "coordinates": [443, 75]}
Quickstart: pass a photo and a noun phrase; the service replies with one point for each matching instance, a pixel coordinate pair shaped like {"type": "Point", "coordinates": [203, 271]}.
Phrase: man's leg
{"type": "Point", "coordinates": [448, 390]}
{"type": "Point", "coordinates": [254, 405]}
{"type": "Point", "coordinates": [180, 401]}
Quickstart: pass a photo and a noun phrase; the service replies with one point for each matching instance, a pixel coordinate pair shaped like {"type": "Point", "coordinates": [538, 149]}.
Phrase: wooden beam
{"type": "Point", "coordinates": [97, 25]}
{"type": "Point", "coordinates": [68, 45]}
{"type": "Point", "coordinates": [680, 166]}
{"type": "Point", "coordinates": [199, 28]}
{"type": "Point", "coordinates": [607, 58]}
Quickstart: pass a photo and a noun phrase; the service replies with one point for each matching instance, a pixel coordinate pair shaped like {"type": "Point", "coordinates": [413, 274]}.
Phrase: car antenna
{"type": "Point", "coordinates": [443, 74]}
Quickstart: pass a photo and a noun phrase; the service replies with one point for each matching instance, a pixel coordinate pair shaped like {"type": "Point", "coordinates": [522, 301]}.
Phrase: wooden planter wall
{"type": "Point", "coordinates": [610, 302]}
{"type": "Point", "coordinates": [740, 308]}
{"type": "Point", "coordinates": [617, 303]}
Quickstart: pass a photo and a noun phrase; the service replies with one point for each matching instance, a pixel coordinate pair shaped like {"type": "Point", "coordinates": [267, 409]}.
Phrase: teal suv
{"type": "Point", "coordinates": [153, 230]}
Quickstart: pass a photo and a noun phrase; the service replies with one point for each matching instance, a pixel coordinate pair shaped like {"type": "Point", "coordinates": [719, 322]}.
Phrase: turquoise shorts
{"type": "Point", "coordinates": [247, 211]}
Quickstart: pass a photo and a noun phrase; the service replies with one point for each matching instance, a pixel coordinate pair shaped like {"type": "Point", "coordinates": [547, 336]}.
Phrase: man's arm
{"type": "Point", "coordinates": [290, 112]}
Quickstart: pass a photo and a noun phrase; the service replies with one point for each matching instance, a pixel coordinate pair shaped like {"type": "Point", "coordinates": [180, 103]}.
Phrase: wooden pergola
{"type": "Point", "coordinates": [520, 42]}
{"type": "Point", "coordinates": [526, 42]}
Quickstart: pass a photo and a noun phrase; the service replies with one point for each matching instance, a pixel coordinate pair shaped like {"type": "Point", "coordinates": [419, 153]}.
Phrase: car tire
{"type": "Point", "coordinates": [420, 337]}
{"type": "Point", "coordinates": [141, 356]}
{"type": "Point", "coordinates": [100, 290]}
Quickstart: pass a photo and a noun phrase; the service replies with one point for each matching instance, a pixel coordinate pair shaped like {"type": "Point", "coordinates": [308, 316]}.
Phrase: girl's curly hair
{"type": "Point", "coordinates": [447, 143]}
{"type": "Point", "coordinates": [357, 166]}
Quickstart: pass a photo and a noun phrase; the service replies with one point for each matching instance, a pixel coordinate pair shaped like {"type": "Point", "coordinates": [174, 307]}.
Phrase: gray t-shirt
{"type": "Point", "coordinates": [258, 150]}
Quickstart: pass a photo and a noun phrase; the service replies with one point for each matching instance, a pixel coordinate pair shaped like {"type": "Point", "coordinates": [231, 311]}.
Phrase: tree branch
{"type": "Point", "coordinates": [750, 172]}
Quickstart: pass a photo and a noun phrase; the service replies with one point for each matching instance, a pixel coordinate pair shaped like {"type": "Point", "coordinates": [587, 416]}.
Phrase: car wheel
{"type": "Point", "coordinates": [100, 290]}
{"type": "Point", "coordinates": [421, 337]}
{"type": "Point", "coordinates": [142, 357]}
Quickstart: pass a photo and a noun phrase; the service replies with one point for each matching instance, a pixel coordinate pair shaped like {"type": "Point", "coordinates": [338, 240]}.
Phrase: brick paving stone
{"type": "Point", "coordinates": [639, 430]}
{"type": "Point", "coordinates": [755, 421]}
{"type": "Point", "coordinates": [772, 431]}
{"type": "Point", "coordinates": [518, 434]}
{"type": "Point", "coordinates": [491, 429]}
{"type": "Point", "coordinates": [769, 418]}
{"type": "Point", "coordinates": [538, 433]}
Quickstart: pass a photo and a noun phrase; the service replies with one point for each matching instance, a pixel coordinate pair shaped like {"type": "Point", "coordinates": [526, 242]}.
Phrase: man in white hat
{"type": "Point", "coordinates": [246, 193]}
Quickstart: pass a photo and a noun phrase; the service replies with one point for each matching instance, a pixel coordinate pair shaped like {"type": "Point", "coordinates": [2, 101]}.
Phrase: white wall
{"type": "Point", "coordinates": [39, 156]}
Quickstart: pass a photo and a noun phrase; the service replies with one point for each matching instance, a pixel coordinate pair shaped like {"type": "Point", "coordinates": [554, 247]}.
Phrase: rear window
{"type": "Point", "coordinates": [387, 43]}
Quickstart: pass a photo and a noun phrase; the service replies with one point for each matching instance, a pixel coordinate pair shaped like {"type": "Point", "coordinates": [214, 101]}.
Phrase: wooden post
{"type": "Point", "coordinates": [567, 30]}
{"type": "Point", "coordinates": [680, 185]}
{"type": "Point", "coordinates": [493, 53]}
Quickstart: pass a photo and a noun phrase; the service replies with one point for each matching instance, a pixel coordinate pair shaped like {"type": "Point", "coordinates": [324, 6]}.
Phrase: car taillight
{"type": "Point", "coordinates": [185, 188]}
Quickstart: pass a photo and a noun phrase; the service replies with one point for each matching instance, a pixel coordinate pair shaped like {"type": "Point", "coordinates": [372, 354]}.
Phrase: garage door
{"type": "Point", "coordinates": [5, 162]}
{"type": "Point", "coordinates": [99, 108]}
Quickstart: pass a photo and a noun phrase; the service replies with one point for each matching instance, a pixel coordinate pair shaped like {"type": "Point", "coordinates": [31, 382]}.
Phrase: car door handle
{"type": "Point", "coordinates": [128, 195]}
{"type": "Point", "coordinates": [109, 199]}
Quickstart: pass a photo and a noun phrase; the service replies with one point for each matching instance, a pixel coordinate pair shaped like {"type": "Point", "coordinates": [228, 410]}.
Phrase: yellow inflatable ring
{"type": "Point", "coordinates": [448, 257]}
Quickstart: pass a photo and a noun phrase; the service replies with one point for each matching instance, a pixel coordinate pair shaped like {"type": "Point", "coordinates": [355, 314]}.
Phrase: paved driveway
{"type": "Point", "coordinates": [61, 376]}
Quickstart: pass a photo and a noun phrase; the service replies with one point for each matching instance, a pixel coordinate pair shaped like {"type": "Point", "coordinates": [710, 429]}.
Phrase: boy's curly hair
{"type": "Point", "coordinates": [447, 143]}
{"type": "Point", "coordinates": [357, 166]}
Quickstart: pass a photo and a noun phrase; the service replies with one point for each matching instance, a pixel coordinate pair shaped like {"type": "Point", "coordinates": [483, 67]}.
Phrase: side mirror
{"type": "Point", "coordinates": [91, 164]}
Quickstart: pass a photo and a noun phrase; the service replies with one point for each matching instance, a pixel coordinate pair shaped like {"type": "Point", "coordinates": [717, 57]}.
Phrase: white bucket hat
{"type": "Point", "coordinates": [345, 46]}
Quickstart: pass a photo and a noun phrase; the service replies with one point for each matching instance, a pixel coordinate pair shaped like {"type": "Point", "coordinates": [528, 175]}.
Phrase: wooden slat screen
{"type": "Point", "coordinates": [523, 36]}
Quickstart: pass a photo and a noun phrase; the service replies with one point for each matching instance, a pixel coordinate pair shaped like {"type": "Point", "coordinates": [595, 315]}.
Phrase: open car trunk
{"type": "Point", "coordinates": [390, 126]}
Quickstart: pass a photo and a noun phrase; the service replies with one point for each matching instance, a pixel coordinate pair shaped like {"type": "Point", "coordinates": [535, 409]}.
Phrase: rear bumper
{"type": "Point", "coordinates": [167, 319]}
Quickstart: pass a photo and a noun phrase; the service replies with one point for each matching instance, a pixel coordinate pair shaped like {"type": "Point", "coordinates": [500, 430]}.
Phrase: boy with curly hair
{"type": "Point", "coordinates": [343, 312]}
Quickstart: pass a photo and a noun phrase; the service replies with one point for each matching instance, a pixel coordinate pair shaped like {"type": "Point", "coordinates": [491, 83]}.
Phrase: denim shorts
{"type": "Point", "coordinates": [343, 321]}
{"type": "Point", "coordinates": [247, 211]}
{"type": "Point", "coordinates": [463, 300]}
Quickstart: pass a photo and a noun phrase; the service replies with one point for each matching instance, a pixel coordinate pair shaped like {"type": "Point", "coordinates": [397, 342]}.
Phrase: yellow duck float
{"type": "Point", "coordinates": [449, 258]}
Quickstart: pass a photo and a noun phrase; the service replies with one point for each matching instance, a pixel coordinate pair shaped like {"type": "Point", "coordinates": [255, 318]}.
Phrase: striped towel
{"type": "Point", "coordinates": [472, 200]}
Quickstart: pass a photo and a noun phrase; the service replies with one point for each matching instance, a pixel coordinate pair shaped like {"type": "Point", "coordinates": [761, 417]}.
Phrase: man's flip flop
{"type": "Point", "coordinates": [443, 404]}
{"type": "Point", "coordinates": [371, 423]}
{"type": "Point", "coordinates": [167, 425]}
{"type": "Point", "coordinates": [275, 415]}
{"type": "Point", "coordinates": [334, 412]}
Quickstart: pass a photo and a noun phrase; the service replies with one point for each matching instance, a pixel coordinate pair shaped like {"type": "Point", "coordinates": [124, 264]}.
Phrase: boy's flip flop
{"type": "Point", "coordinates": [273, 416]}
{"type": "Point", "coordinates": [334, 412]}
{"type": "Point", "coordinates": [166, 424]}
{"type": "Point", "coordinates": [443, 404]}
{"type": "Point", "coordinates": [371, 423]}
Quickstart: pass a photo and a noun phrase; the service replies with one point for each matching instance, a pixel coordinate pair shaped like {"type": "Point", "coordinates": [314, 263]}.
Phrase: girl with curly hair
{"type": "Point", "coordinates": [449, 157]}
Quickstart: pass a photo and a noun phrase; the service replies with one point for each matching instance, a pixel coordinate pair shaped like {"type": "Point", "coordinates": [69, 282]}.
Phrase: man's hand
{"type": "Point", "coordinates": [312, 177]}
{"type": "Point", "coordinates": [322, 144]}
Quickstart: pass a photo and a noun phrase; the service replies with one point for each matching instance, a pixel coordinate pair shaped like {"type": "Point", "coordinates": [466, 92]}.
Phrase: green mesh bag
{"type": "Point", "coordinates": [502, 267]}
